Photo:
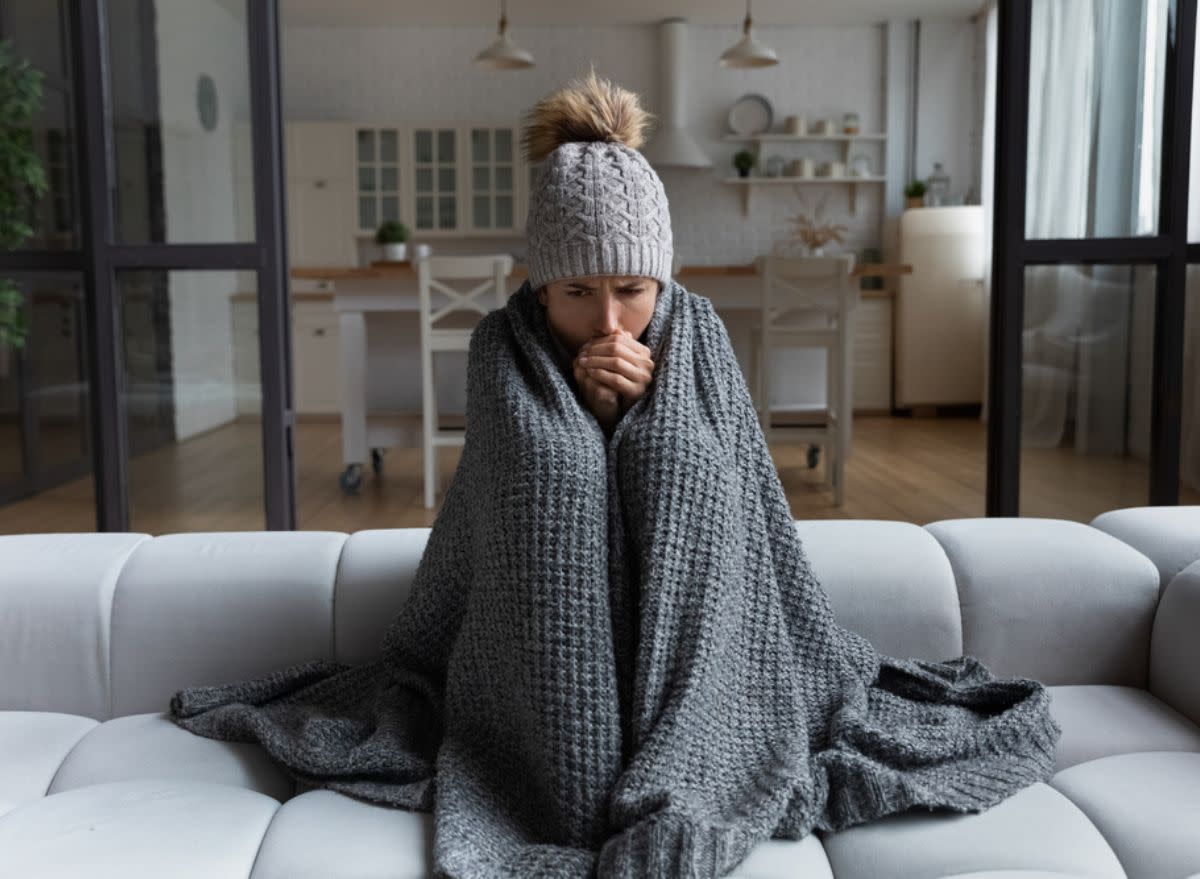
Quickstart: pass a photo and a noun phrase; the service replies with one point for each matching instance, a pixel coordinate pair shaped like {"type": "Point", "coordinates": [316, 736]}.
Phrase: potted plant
{"type": "Point", "coordinates": [743, 160]}
{"type": "Point", "coordinates": [392, 234]}
{"type": "Point", "coordinates": [914, 194]}
{"type": "Point", "coordinates": [21, 185]}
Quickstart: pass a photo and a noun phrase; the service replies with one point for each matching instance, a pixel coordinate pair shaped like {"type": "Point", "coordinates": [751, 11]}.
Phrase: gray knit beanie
{"type": "Point", "coordinates": [596, 207]}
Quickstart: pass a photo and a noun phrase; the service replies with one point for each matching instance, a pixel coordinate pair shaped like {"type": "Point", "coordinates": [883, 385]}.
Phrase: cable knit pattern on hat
{"type": "Point", "coordinates": [598, 209]}
{"type": "Point", "coordinates": [596, 206]}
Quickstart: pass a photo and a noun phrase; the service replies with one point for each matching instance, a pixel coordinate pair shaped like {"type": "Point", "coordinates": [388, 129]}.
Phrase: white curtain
{"type": "Point", "coordinates": [1062, 108]}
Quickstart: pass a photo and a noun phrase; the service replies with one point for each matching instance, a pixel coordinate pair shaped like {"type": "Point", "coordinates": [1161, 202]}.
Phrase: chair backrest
{"type": "Point", "coordinates": [432, 271]}
{"type": "Point", "coordinates": [792, 285]}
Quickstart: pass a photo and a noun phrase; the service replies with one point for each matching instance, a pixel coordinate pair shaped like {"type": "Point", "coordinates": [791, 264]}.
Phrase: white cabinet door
{"type": "Point", "coordinates": [315, 358]}
{"type": "Point", "coordinates": [319, 225]}
{"type": "Point", "coordinates": [319, 150]}
{"type": "Point", "coordinates": [873, 355]}
{"type": "Point", "coordinates": [320, 194]}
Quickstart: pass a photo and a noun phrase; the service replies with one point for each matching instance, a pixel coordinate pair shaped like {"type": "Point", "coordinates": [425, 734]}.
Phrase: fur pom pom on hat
{"type": "Point", "coordinates": [597, 207]}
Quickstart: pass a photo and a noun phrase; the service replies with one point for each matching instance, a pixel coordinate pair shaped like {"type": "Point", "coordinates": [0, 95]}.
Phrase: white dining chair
{"type": "Point", "coordinates": [809, 302]}
{"type": "Point", "coordinates": [443, 328]}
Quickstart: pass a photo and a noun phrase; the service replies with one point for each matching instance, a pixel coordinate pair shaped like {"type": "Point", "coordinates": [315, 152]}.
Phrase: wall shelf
{"type": "Point", "coordinates": [846, 143]}
{"type": "Point", "coordinates": [748, 183]}
{"type": "Point", "coordinates": [780, 136]}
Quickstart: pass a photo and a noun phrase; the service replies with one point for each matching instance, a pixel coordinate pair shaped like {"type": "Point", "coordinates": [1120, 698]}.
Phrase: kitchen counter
{"type": "Point", "coordinates": [405, 271]}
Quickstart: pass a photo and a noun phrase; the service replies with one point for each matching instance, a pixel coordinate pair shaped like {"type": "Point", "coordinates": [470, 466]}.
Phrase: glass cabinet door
{"type": "Point", "coordinates": [435, 173]}
{"type": "Point", "coordinates": [377, 172]}
{"type": "Point", "coordinates": [492, 176]}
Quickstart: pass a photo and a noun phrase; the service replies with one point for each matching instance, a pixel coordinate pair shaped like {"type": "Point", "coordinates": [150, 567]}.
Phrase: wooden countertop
{"type": "Point", "coordinates": [405, 269]}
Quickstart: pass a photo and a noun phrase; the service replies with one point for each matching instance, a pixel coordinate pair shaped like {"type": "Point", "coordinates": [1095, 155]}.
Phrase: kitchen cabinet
{"type": "Point", "coordinates": [873, 355]}
{"type": "Point", "coordinates": [314, 353]}
{"type": "Point", "coordinates": [315, 358]}
{"type": "Point", "coordinates": [451, 180]}
{"type": "Point", "coordinates": [320, 194]}
{"type": "Point", "coordinates": [493, 178]}
{"type": "Point", "coordinates": [378, 165]}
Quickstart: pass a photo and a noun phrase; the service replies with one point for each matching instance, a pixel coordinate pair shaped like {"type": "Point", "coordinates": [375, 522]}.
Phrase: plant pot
{"type": "Point", "coordinates": [395, 252]}
{"type": "Point", "coordinates": [914, 201]}
{"type": "Point", "coordinates": [743, 172]}
{"type": "Point", "coordinates": [5, 360]}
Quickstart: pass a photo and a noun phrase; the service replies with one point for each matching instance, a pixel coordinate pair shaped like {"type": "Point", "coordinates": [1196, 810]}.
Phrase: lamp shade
{"type": "Point", "coordinates": [503, 53]}
{"type": "Point", "coordinates": [748, 52]}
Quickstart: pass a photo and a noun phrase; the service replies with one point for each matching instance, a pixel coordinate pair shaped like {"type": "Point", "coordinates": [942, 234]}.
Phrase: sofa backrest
{"type": "Point", "coordinates": [106, 625]}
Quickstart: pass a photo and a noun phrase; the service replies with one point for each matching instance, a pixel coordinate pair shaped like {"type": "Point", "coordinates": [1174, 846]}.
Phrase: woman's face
{"type": "Point", "coordinates": [592, 306]}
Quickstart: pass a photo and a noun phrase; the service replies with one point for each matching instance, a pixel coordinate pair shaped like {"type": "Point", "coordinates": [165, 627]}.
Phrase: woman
{"type": "Point", "coordinates": [615, 659]}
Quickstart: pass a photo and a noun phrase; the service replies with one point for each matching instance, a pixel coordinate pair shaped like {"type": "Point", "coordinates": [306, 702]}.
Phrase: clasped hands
{"type": "Point", "coordinates": [613, 372]}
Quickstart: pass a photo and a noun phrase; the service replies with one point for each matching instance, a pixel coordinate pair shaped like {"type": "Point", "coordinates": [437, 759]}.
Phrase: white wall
{"type": "Point", "coordinates": [949, 117]}
{"type": "Point", "coordinates": [199, 192]}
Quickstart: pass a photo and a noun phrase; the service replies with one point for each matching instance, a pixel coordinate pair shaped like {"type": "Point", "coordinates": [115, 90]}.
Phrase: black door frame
{"type": "Point", "coordinates": [1168, 251]}
{"type": "Point", "coordinates": [99, 258]}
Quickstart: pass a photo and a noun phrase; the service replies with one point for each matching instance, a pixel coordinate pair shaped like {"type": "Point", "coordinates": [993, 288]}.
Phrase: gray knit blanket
{"type": "Point", "coordinates": [615, 659]}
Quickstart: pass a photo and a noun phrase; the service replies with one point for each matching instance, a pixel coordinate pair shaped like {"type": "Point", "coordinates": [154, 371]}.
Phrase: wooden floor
{"type": "Point", "coordinates": [910, 469]}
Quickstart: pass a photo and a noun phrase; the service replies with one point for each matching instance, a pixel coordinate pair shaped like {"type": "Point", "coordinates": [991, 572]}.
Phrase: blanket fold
{"type": "Point", "coordinates": [615, 659]}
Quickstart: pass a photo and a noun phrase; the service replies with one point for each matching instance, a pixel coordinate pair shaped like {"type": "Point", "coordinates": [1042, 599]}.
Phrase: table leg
{"type": "Point", "coordinates": [353, 341]}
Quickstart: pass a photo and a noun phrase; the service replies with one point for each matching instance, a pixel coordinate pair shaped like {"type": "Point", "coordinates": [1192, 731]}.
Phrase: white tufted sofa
{"type": "Point", "coordinates": [98, 630]}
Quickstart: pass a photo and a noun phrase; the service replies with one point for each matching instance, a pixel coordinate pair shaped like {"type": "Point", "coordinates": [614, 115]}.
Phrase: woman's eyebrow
{"type": "Point", "coordinates": [583, 286]}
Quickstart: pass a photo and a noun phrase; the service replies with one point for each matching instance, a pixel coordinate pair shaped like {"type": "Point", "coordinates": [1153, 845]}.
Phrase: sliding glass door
{"type": "Point", "coordinates": [136, 401]}
{"type": "Point", "coordinates": [1089, 337]}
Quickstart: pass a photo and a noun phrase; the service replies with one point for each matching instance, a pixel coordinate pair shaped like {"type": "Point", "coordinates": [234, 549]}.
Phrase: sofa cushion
{"type": "Point", "coordinates": [374, 576]}
{"type": "Point", "coordinates": [888, 581]}
{"type": "Point", "coordinates": [322, 833]}
{"type": "Point", "coordinates": [149, 827]}
{"type": "Point", "coordinates": [1168, 535]}
{"type": "Point", "coordinates": [1051, 599]}
{"type": "Point", "coordinates": [33, 745]}
{"type": "Point", "coordinates": [1098, 720]}
{"type": "Point", "coordinates": [151, 746]}
{"type": "Point", "coordinates": [1017, 874]}
{"type": "Point", "coordinates": [194, 609]}
{"type": "Point", "coordinates": [1174, 647]}
{"type": "Point", "coordinates": [1146, 805]}
{"type": "Point", "coordinates": [56, 593]}
{"type": "Point", "coordinates": [785, 859]}
{"type": "Point", "coordinates": [1037, 828]}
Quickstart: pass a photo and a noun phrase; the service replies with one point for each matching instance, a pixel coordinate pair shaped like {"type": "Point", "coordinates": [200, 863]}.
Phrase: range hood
{"type": "Point", "coordinates": [670, 144]}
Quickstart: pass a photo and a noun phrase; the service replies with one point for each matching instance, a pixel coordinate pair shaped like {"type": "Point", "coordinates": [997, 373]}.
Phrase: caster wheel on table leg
{"type": "Point", "coordinates": [814, 457]}
{"type": "Point", "coordinates": [377, 461]}
{"type": "Point", "coordinates": [351, 478]}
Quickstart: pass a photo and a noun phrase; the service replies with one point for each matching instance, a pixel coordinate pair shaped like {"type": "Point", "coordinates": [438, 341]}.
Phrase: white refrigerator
{"type": "Point", "coordinates": [940, 311]}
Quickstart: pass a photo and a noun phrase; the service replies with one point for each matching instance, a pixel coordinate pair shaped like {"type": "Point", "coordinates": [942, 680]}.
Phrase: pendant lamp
{"type": "Point", "coordinates": [748, 52]}
{"type": "Point", "coordinates": [503, 53]}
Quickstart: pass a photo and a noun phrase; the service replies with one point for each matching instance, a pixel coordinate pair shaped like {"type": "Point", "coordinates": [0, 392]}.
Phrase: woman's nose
{"type": "Point", "coordinates": [610, 316]}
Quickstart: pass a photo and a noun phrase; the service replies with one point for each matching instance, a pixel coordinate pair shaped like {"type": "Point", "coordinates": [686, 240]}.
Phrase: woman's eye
{"type": "Point", "coordinates": [634, 292]}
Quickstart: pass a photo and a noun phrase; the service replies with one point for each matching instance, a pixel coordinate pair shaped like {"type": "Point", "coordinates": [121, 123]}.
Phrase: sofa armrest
{"type": "Point", "coordinates": [1175, 644]}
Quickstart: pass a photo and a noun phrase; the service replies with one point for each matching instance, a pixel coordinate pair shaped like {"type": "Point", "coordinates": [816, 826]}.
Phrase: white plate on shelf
{"type": "Point", "coordinates": [750, 115]}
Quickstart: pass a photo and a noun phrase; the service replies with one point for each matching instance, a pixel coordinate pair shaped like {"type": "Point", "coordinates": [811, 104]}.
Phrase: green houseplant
{"type": "Point", "coordinates": [392, 234]}
{"type": "Point", "coordinates": [743, 160]}
{"type": "Point", "coordinates": [22, 179]}
{"type": "Point", "coordinates": [914, 194]}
